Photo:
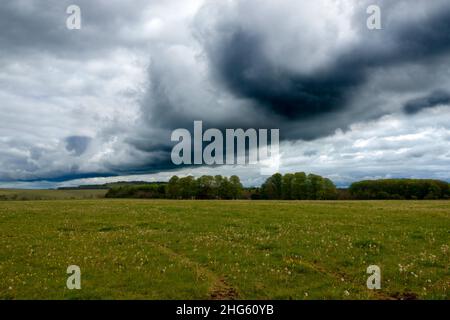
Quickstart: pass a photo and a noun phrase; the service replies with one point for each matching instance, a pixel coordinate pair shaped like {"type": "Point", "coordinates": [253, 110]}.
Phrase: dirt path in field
{"type": "Point", "coordinates": [222, 291]}
{"type": "Point", "coordinates": [219, 288]}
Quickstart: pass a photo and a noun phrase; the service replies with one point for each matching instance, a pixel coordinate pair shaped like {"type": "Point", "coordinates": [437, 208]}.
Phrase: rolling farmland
{"type": "Point", "coordinates": [166, 249]}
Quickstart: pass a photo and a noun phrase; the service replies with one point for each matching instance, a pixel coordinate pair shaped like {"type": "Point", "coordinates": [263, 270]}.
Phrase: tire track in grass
{"type": "Point", "coordinates": [219, 289]}
{"type": "Point", "coordinates": [320, 269]}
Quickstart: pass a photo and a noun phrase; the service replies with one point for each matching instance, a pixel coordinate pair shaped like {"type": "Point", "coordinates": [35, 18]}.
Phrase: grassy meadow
{"type": "Point", "coordinates": [164, 249]}
{"type": "Point", "coordinates": [26, 194]}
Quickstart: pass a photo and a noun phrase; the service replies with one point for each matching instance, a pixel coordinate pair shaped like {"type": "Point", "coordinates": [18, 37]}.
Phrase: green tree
{"type": "Point", "coordinates": [236, 187]}
{"type": "Point", "coordinates": [272, 188]}
{"type": "Point", "coordinates": [173, 189]}
{"type": "Point", "coordinates": [314, 186]}
{"type": "Point", "coordinates": [187, 187]}
{"type": "Point", "coordinates": [205, 187]}
{"type": "Point", "coordinates": [329, 191]}
{"type": "Point", "coordinates": [225, 191]}
{"type": "Point", "coordinates": [286, 186]}
{"type": "Point", "coordinates": [216, 186]}
{"type": "Point", "coordinates": [299, 187]}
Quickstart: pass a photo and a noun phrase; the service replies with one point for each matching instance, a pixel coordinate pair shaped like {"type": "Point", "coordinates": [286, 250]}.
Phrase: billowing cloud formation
{"type": "Point", "coordinates": [306, 67]}
{"type": "Point", "coordinates": [103, 100]}
{"type": "Point", "coordinates": [258, 59]}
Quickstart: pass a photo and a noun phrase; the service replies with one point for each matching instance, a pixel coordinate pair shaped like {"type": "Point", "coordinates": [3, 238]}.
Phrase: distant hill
{"type": "Point", "coordinates": [112, 185]}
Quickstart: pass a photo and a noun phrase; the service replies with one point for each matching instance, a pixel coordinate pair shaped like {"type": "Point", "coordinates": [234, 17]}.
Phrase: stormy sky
{"type": "Point", "coordinates": [99, 104]}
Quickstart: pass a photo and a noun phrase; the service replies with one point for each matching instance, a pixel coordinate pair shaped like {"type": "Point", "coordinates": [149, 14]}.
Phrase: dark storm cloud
{"type": "Point", "coordinates": [265, 92]}
{"type": "Point", "coordinates": [241, 64]}
{"type": "Point", "coordinates": [239, 61]}
{"type": "Point", "coordinates": [434, 99]}
{"type": "Point", "coordinates": [77, 144]}
{"type": "Point", "coordinates": [261, 91]}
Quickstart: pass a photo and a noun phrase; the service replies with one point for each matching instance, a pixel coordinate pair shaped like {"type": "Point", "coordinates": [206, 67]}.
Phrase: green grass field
{"type": "Point", "coordinates": [147, 249]}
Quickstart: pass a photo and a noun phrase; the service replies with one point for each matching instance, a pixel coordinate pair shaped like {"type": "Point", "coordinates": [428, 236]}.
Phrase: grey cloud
{"type": "Point", "coordinates": [233, 60]}
{"type": "Point", "coordinates": [77, 144]}
{"type": "Point", "coordinates": [239, 59]}
{"type": "Point", "coordinates": [402, 146]}
{"type": "Point", "coordinates": [434, 99]}
{"type": "Point", "coordinates": [36, 27]}
{"type": "Point", "coordinates": [230, 63]}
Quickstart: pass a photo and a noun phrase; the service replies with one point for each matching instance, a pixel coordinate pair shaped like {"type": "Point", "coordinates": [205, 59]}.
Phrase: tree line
{"type": "Point", "coordinates": [204, 187]}
{"type": "Point", "coordinates": [297, 186]}
{"type": "Point", "coordinates": [408, 189]}
{"type": "Point", "coordinates": [290, 186]}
